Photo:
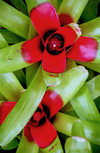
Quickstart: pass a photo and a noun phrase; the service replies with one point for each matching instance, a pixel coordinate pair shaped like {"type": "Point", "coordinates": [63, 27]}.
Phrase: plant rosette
{"type": "Point", "coordinates": [55, 43]}
{"type": "Point", "coordinates": [39, 128]}
{"type": "Point", "coordinates": [57, 39]}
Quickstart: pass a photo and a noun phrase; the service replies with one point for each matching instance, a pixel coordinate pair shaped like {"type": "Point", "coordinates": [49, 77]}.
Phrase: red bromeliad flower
{"type": "Point", "coordinates": [39, 128]}
{"type": "Point", "coordinates": [50, 45]}
{"type": "Point", "coordinates": [55, 43]}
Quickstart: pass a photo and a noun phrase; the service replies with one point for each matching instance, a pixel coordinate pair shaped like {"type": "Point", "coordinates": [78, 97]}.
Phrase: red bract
{"type": "Point", "coordinates": [5, 108]}
{"type": "Point", "coordinates": [65, 19]}
{"type": "Point", "coordinates": [39, 127]}
{"type": "Point", "coordinates": [54, 42]}
{"type": "Point", "coordinates": [50, 45]}
{"type": "Point", "coordinates": [42, 131]}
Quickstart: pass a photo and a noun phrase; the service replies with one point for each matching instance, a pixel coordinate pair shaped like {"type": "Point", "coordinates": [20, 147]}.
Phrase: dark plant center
{"type": "Point", "coordinates": [47, 34]}
{"type": "Point", "coordinates": [38, 117]}
{"type": "Point", "coordinates": [46, 110]}
{"type": "Point", "coordinates": [55, 44]}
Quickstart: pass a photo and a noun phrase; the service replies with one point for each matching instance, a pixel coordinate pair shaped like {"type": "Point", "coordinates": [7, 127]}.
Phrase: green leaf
{"type": "Point", "coordinates": [97, 102]}
{"type": "Point", "coordinates": [69, 84]}
{"type": "Point", "coordinates": [12, 145]}
{"type": "Point", "coordinates": [78, 129]}
{"type": "Point", "coordinates": [21, 7]}
{"type": "Point", "coordinates": [95, 148]}
{"type": "Point", "coordinates": [63, 123]}
{"type": "Point", "coordinates": [91, 28]}
{"type": "Point", "coordinates": [70, 64]}
{"type": "Point", "coordinates": [32, 32]}
{"type": "Point", "coordinates": [13, 20]}
{"type": "Point", "coordinates": [93, 66]}
{"type": "Point", "coordinates": [54, 147]}
{"type": "Point", "coordinates": [1, 101]}
{"type": "Point", "coordinates": [3, 43]}
{"type": "Point", "coordinates": [77, 145]}
{"type": "Point", "coordinates": [67, 108]}
{"type": "Point", "coordinates": [73, 8]}
{"type": "Point", "coordinates": [52, 79]}
{"type": "Point", "coordinates": [24, 109]}
{"type": "Point", "coordinates": [27, 147]}
{"type": "Point", "coordinates": [10, 87]}
{"type": "Point", "coordinates": [55, 3]}
{"type": "Point", "coordinates": [21, 77]}
{"type": "Point", "coordinates": [10, 37]}
{"type": "Point", "coordinates": [94, 90]}
{"type": "Point", "coordinates": [2, 98]}
{"type": "Point", "coordinates": [31, 4]}
{"type": "Point", "coordinates": [72, 113]}
{"type": "Point", "coordinates": [84, 106]}
{"type": "Point", "coordinates": [91, 74]}
{"type": "Point", "coordinates": [11, 59]}
{"type": "Point", "coordinates": [30, 72]}
{"type": "Point", "coordinates": [59, 2]}
{"type": "Point", "coordinates": [90, 11]}
{"type": "Point", "coordinates": [94, 87]}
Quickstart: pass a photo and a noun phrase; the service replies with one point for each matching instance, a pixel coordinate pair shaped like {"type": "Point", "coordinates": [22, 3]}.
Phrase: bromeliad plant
{"type": "Point", "coordinates": [55, 43]}
{"type": "Point", "coordinates": [50, 46]}
{"type": "Point", "coordinates": [59, 38]}
{"type": "Point", "coordinates": [39, 128]}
